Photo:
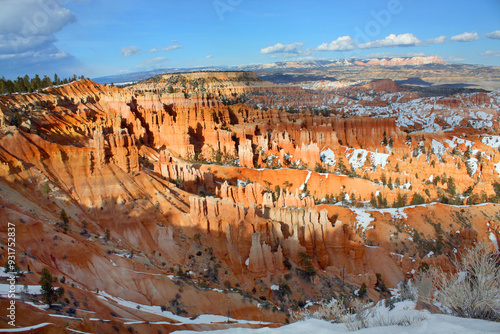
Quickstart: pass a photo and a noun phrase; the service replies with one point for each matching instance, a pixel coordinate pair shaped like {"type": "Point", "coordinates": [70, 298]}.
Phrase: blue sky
{"type": "Point", "coordinates": [104, 37]}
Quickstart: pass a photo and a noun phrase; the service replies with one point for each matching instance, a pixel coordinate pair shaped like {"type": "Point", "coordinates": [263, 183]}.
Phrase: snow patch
{"type": "Point", "coordinates": [328, 157]}
{"type": "Point", "coordinates": [302, 187]}
{"type": "Point", "coordinates": [363, 218]}
{"type": "Point", "coordinates": [492, 141]}
{"type": "Point", "coordinates": [494, 240]}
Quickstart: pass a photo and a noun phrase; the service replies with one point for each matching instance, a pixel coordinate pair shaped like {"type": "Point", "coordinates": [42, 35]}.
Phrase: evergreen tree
{"type": "Point", "coordinates": [27, 84]}
{"type": "Point", "coordinates": [36, 82]}
{"type": "Point", "coordinates": [46, 82]}
{"type": "Point", "coordinates": [49, 294]}
{"type": "Point", "coordinates": [64, 217]}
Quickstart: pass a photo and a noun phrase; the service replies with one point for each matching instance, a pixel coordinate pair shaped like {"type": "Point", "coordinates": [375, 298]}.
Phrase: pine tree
{"type": "Point", "coordinates": [36, 82]}
{"type": "Point", "coordinates": [46, 82]}
{"type": "Point", "coordinates": [64, 217]}
{"type": "Point", "coordinates": [49, 294]}
{"type": "Point", "coordinates": [27, 84]}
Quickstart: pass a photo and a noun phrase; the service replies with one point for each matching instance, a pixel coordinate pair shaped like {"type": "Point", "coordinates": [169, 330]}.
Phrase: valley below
{"type": "Point", "coordinates": [213, 200]}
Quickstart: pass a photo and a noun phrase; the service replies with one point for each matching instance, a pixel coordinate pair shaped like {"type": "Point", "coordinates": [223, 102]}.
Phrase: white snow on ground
{"type": "Point", "coordinates": [458, 141]}
{"type": "Point", "coordinates": [32, 289]}
{"type": "Point", "coordinates": [480, 119]}
{"type": "Point", "coordinates": [438, 148]}
{"type": "Point", "coordinates": [379, 159]}
{"type": "Point", "coordinates": [328, 84]}
{"type": "Point", "coordinates": [275, 287]}
{"type": "Point", "coordinates": [422, 322]}
{"type": "Point", "coordinates": [202, 319]}
{"type": "Point", "coordinates": [75, 331]}
{"type": "Point", "coordinates": [472, 163]}
{"type": "Point", "coordinates": [453, 120]}
{"type": "Point", "coordinates": [363, 219]}
{"type": "Point", "coordinates": [305, 182]}
{"type": "Point", "coordinates": [24, 329]}
{"type": "Point", "coordinates": [396, 213]}
{"type": "Point", "coordinates": [3, 273]}
{"type": "Point", "coordinates": [494, 240]}
{"type": "Point", "coordinates": [497, 167]}
{"type": "Point", "coordinates": [492, 141]}
{"type": "Point", "coordinates": [357, 158]}
{"type": "Point", "coordinates": [328, 157]}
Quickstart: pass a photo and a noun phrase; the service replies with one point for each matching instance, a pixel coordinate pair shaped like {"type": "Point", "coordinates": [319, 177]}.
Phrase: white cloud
{"type": "Point", "coordinates": [437, 40]}
{"type": "Point", "coordinates": [493, 34]}
{"type": "Point", "coordinates": [27, 36]}
{"type": "Point", "coordinates": [343, 43]}
{"type": "Point", "coordinates": [208, 57]}
{"type": "Point", "coordinates": [130, 51]}
{"type": "Point", "coordinates": [30, 24]}
{"type": "Point", "coordinates": [394, 54]}
{"type": "Point", "coordinates": [174, 41]}
{"type": "Point", "coordinates": [171, 48]}
{"type": "Point", "coordinates": [347, 43]}
{"type": "Point", "coordinates": [283, 48]}
{"type": "Point", "coordinates": [155, 61]}
{"type": "Point", "coordinates": [166, 49]}
{"type": "Point", "coordinates": [458, 59]}
{"type": "Point", "coordinates": [493, 53]}
{"type": "Point", "coordinates": [466, 37]}
{"type": "Point", "coordinates": [391, 41]}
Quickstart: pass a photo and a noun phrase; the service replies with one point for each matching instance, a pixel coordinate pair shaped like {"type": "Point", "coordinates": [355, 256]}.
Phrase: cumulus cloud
{"type": "Point", "coordinates": [437, 40]}
{"type": "Point", "coordinates": [347, 43]}
{"type": "Point", "coordinates": [391, 41]}
{"type": "Point", "coordinates": [343, 43]}
{"type": "Point", "coordinates": [130, 51]}
{"type": "Point", "coordinates": [493, 34]}
{"type": "Point", "coordinates": [27, 30]}
{"type": "Point", "coordinates": [283, 48]}
{"type": "Point", "coordinates": [493, 53]}
{"type": "Point", "coordinates": [466, 37]}
{"type": "Point", "coordinates": [30, 24]}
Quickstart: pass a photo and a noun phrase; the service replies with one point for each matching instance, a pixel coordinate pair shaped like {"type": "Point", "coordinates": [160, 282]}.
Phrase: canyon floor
{"type": "Point", "coordinates": [213, 200]}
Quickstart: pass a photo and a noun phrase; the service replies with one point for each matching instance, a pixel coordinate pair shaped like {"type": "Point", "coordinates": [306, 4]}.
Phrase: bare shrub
{"type": "Point", "coordinates": [352, 313]}
{"type": "Point", "coordinates": [332, 311]}
{"type": "Point", "coordinates": [425, 285]}
{"type": "Point", "coordinates": [474, 291]}
{"type": "Point", "coordinates": [391, 321]}
{"type": "Point", "coordinates": [407, 291]}
{"type": "Point", "coordinates": [356, 317]}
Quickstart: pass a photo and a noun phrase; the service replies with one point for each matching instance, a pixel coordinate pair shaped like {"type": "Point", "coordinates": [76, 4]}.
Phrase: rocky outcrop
{"type": "Point", "coordinates": [118, 148]}
{"type": "Point", "coordinates": [183, 174]}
